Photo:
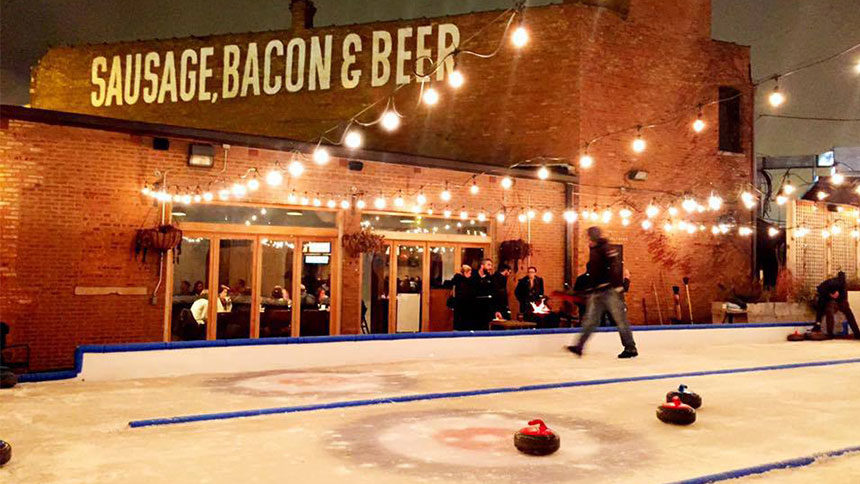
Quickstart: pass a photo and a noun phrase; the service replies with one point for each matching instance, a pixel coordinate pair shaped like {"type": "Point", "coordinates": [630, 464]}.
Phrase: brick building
{"type": "Point", "coordinates": [73, 169]}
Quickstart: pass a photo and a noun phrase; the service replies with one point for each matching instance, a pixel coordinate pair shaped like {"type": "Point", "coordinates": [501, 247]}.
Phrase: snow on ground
{"type": "Point", "coordinates": [77, 432]}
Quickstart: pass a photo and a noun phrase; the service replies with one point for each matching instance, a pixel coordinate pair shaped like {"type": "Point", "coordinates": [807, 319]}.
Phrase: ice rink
{"type": "Point", "coordinates": [78, 431]}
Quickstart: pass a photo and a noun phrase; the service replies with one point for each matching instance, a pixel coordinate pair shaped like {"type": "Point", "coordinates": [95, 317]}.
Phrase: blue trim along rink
{"type": "Point", "coordinates": [472, 393]}
{"type": "Point", "coordinates": [177, 345]}
{"type": "Point", "coordinates": [773, 466]}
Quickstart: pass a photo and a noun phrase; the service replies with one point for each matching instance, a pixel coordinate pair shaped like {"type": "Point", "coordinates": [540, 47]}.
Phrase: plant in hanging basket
{"type": "Point", "coordinates": [362, 242]}
{"type": "Point", "coordinates": [159, 239]}
{"type": "Point", "coordinates": [514, 251]}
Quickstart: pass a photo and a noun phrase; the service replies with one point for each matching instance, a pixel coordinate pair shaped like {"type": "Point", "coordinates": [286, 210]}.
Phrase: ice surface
{"type": "Point", "coordinates": [76, 432]}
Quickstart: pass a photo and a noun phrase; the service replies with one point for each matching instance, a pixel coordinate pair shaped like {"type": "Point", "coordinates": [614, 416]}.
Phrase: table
{"type": "Point", "coordinates": [505, 325]}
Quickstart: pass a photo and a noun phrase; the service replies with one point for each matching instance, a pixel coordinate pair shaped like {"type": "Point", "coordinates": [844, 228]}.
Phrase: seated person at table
{"type": "Point", "coordinates": [200, 308]}
{"type": "Point", "coordinates": [198, 288]}
{"type": "Point", "coordinates": [185, 288]}
{"type": "Point", "coordinates": [307, 300]}
{"type": "Point", "coordinates": [280, 297]}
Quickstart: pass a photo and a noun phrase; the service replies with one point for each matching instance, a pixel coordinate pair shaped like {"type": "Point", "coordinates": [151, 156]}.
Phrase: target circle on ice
{"type": "Point", "coordinates": [286, 383]}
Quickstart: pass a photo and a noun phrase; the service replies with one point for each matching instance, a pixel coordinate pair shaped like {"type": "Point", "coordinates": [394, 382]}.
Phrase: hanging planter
{"type": "Point", "coordinates": [159, 239]}
{"type": "Point", "coordinates": [512, 251]}
{"type": "Point", "coordinates": [362, 242]}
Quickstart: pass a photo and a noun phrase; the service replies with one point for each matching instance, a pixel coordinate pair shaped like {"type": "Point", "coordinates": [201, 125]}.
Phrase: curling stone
{"type": "Point", "coordinates": [5, 452]}
{"type": "Point", "coordinates": [687, 397]}
{"type": "Point", "coordinates": [676, 413]}
{"type": "Point", "coordinates": [817, 336]}
{"type": "Point", "coordinates": [796, 336]}
{"type": "Point", "coordinates": [536, 441]}
{"type": "Point", "coordinates": [7, 378]}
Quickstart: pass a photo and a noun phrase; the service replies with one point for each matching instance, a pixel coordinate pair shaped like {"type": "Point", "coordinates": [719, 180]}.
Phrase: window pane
{"type": "Point", "coordinates": [315, 297]}
{"type": "Point", "coordinates": [277, 284]}
{"type": "Point", "coordinates": [254, 216]}
{"type": "Point", "coordinates": [409, 271]}
{"type": "Point", "coordinates": [441, 272]}
{"type": "Point", "coordinates": [472, 256]}
{"type": "Point", "coordinates": [190, 280]}
{"type": "Point", "coordinates": [234, 290]}
{"type": "Point", "coordinates": [730, 120]}
{"type": "Point", "coordinates": [425, 225]}
{"type": "Point", "coordinates": [374, 291]}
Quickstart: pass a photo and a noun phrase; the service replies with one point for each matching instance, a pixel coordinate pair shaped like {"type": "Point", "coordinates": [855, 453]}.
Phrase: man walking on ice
{"type": "Point", "coordinates": [605, 294]}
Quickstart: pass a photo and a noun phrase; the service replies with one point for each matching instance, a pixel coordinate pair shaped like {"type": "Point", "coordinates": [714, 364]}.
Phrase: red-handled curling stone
{"type": "Point", "coordinates": [5, 452]}
{"type": "Point", "coordinates": [796, 336]}
{"type": "Point", "coordinates": [7, 378]}
{"type": "Point", "coordinates": [538, 440]}
{"type": "Point", "coordinates": [686, 396]}
{"type": "Point", "coordinates": [676, 413]}
{"type": "Point", "coordinates": [816, 336]}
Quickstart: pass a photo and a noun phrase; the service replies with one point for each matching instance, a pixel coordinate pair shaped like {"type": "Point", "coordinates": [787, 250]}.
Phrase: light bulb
{"type": "Point", "coordinates": [744, 231]}
{"type": "Point", "coordinates": [698, 125]}
{"type": "Point", "coordinates": [748, 200]}
{"type": "Point", "coordinates": [546, 217]}
{"type": "Point", "coordinates": [689, 205]}
{"type": "Point", "coordinates": [421, 199]}
{"type": "Point", "coordinates": [855, 234]}
{"type": "Point", "coordinates": [715, 230]}
{"type": "Point", "coordinates": [445, 195]}
{"type": "Point", "coordinates": [781, 199]}
{"type": "Point", "coordinates": [673, 211]}
{"type": "Point", "coordinates": [606, 216]}
{"type": "Point", "coordinates": [344, 204]}
{"type": "Point", "coordinates": [647, 224]}
{"type": "Point", "coordinates": [353, 139]}
{"type": "Point", "coordinates": [292, 198]}
{"type": "Point", "coordinates": [430, 96]}
{"type": "Point", "coordinates": [399, 202]}
{"type": "Point", "coordinates": [667, 227]}
{"type": "Point", "coordinates": [801, 232]}
{"type": "Point", "coordinates": [456, 79]}
{"type": "Point", "coordinates": [186, 199]}
{"type": "Point", "coordinates": [500, 217]}
{"type": "Point", "coordinates": [835, 230]}
{"type": "Point", "coordinates": [531, 214]}
{"type": "Point", "coordinates": [825, 233]}
{"type": "Point", "coordinates": [570, 216]}
{"type": "Point", "coordinates": [390, 121]}
{"type": "Point", "coordinates": [638, 144]}
{"type": "Point", "coordinates": [521, 217]}
{"type": "Point", "coordinates": [223, 194]}
{"type": "Point", "coordinates": [446, 213]}
{"type": "Point", "coordinates": [296, 168]}
{"type": "Point", "coordinates": [651, 211]}
{"type": "Point", "coordinates": [198, 198]}
{"type": "Point", "coordinates": [625, 222]}
{"type": "Point", "coordinates": [837, 178]}
{"type": "Point", "coordinates": [379, 203]}
{"type": "Point", "coordinates": [715, 202]}
{"type": "Point", "coordinates": [253, 184]}
{"type": "Point", "coordinates": [586, 161]}
{"type": "Point", "coordinates": [788, 188]}
{"type": "Point", "coordinates": [464, 215]}
{"type": "Point", "coordinates": [772, 231]}
{"type": "Point", "coordinates": [177, 198]}
{"type": "Point", "coordinates": [207, 196]}
{"type": "Point", "coordinates": [239, 190]}
{"type": "Point", "coordinates": [507, 182]}
{"type": "Point", "coordinates": [321, 156]}
{"type": "Point", "coordinates": [474, 189]}
{"type": "Point", "coordinates": [776, 98]}
{"type": "Point", "coordinates": [625, 213]}
{"type": "Point", "coordinates": [304, 200]}
{"type": "Point", "coordinates": [543, 173]}
{"type": "Point", "coordinates": [331, 203]}
{"type": "Point", "coordinates": [520, 37]}
{"type": "Point", "coordinates": [360, 204]}
{"type": "Point", "coordinates": [821, 195]}
{"type": "Point", "coordinates": [482, 217]}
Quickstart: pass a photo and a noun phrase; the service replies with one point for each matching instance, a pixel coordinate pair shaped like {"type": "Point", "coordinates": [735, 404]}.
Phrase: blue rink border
{"type": "Point", "coordinates": [177, 345]}
{"type": "Point", "coordinates": [472, 393]}
{"type": "Point", "coordinates": [773, 466]}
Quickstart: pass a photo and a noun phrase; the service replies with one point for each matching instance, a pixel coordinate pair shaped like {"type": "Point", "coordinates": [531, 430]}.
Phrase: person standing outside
{"type": "Point", "coordinates": [529, 290]}
{"type": "Point", "coordinates": [464, 298]}
{"type": "Point", "coordinates": [486, 292]}
{"type": "Point", "coordinates": [833, 298]}
{"type": "Point", "coordinates": [502, 306]}
{"type": "Point", "coordinates": [605, 294]}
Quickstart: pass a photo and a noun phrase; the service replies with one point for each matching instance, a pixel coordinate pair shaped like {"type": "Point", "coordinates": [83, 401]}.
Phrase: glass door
{"type": "Point", "coordinates": [234, 300]}
{"type": "Point", "coordinates": [375, 291]}
{"type": "Point", "coordinates": [276, 286]}
{"type": "Point", "coordinates": [314, 298]}
{"type": "Point", "coordinates": [442, 270]}
{"type": "Point", "coordinates": [190, 297]}
{"type": "Point", "coordinates": [409, 288]}
{"type": "Point", "coordinates": [472, 256]}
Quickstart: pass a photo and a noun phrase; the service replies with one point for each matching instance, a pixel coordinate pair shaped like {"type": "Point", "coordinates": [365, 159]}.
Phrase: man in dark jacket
{"type": "Point", "coordinates": [604, 294]}
{"type": "Point", "coordinates": [486, 295]}
{"type": "Point", "coordinates": [529, 290]}
{"type": "Point", "coordinates": [500, 278]}
{"type": "Point", "coordinates": [833, 298]}
{"type": "Point", "coordinates": [464, 298]}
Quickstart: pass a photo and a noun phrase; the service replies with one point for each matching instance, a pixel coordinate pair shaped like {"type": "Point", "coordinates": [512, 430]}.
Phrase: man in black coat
{"type": "Point", "coordinates": [604, 294]}
{"type": "Point", "coordinates": [833, 298]}
{"type": "Point", "coordinates": [464, 298]}
{"type": "Point", "coordinates": [529, 290]}
{"type": "Point", "coordinates": [502, 306]}
{"type": "Point", "coordinates": [486, 290]}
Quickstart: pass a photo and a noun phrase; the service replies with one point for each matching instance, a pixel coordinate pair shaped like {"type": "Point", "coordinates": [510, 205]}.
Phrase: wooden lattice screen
{"type": "Point", "coordinates": [822, 240]}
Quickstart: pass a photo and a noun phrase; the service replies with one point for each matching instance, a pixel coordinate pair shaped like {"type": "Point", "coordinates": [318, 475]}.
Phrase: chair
{"type": "Point", "coordinates": [16, 357]}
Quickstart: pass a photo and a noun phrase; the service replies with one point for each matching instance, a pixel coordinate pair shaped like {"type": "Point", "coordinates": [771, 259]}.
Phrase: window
{"type": "Point", "coordinates": [424, 225]}
{"type": "Point", "coordinates": [730, 120]}
{"type": "Point", "coordinates": [254, 216]}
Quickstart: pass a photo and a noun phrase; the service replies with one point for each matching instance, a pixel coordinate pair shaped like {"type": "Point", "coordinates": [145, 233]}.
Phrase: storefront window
{"type": "Point", "coordinates": [315, 288]}
{"type": "Point", "coordinates": [410, 263]}
{"type": "Point", "coordinates": [277, 286]}
{"type": "Point", "coordinates": [254, 216]}
{"type": "Point", "coordinates": [375, 290]}
{"type": "Point", "coordinates": [190, 305]}
{"type": "Point", "coordinates": [234, 297]}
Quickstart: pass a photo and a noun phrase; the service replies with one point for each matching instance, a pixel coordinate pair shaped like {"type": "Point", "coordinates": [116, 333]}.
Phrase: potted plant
{"type": "Point", "coordinates": [160, 239]}
{"type": "Point", "coordinates": [512, 251]}
{"type": "Point", "coordinates": [362, 242]}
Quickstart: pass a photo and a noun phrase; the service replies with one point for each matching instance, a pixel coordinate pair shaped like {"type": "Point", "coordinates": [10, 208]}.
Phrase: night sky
{"type": "Point", "coordinates": [782, 33]}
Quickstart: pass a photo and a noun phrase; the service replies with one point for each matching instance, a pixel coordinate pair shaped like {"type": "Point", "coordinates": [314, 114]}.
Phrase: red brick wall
{"type": "Point", "coordinates": [72, 202]}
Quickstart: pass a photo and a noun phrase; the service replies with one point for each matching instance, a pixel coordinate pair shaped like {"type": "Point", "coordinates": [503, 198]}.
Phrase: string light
{"type": "Point", "coordinates": [606, 216]}
{"type": "Point", "coordinates": [689, 205]}
{"type": "Point", "coordinates": [520, 37]}
{"type": "Point", "coordinates": [855, 233]}
{"type": "Point", "coordinates": [772, 231]}
{"type": "Point", "coordinates": [421, 199]}
{"type": "Point", "coordinates": [673, 211]}
{"type": "Point", "coordinates": [547, 217]}
{"type": "Point", "coordinates": [647, 224]}
{"type": "Point", "coordinates": [353, 139]}
{"type": "Point", "coordinates": [543, 173]}
{"type": "Point", "coordinates": [715, 202]}
{"type": "Point", "coordinates": [274, 178]}
{"type": "Point", "coordinates": [331, 203]}
{"type": "Point", "coordinates": [296, 168]}
{"type": "Point", "coordinates": [715, 230]}
{"type": "Point", "coordinates": [521, 217]}
{"type": "Point", "coordinates": [822, 195]}
{"type": "Point", "coordinates": [781, 199]}
{"type": "Point", "coordinates": [398, 200]}
{"type": "Point", "coordinates": [699, 123]}
{"type": "Point", "coordinates": [360, 204]}
{"type": "Point", "coordinates": [456, 79]}
{"type": "Point", "coordinates": [507, 182]}
{"type": "Point", "coordinates": [748, 200]}
{"type": "Point", "coordinates": [570, 216]}
{"type": "Point", "coordinates": [321, 155]}
{"type": "Point", "coordinates": [481, 217]}
{"type": "Point", "coordinates": [344, 204]}
{"type": "Point", "coordinates": [837, 178]}
{"type": "Point", "coordinates": [239, 190]}
{"type": "Point", "coordinates": [500, 217]}
{"type": "Point", "coordinates": [430, 96]}
{"type": "Point", "coordinates": [788, 188]}
{"type": "Point", "coordinates": [253, 184]}
{"type": "Point", "coordinates": [464, 215]}
{"type": "Point", "coordinates": [445, 195]}
{"type": "Point", "coordinates": [639, 143]}
{"type": "Point", "coordinates": [801, 232]}
{"type": "Point", "coordinates": [625, 213]}
{"type": "Point", "coordinates": [586, 161]}
{"type": "Point", "coordinates": [390, 121]}
{"type": "Point", "coordinates": [825, 234]}
{"type": "Point", "coordinates": [667, 227]}
{"type": "Point", "coordinates": [744, 231]}
{"type": "Point", "coordinates": [207, 196]}
{"type": "Point", "coordinates": [652, 211]}
{"type": "Point", "coordinates": [379, 202]}
{"type": "Point", "coordinates": [446, 213]}
{"type": "Point", "coordinates": [474, 189]}
{"type": "Point", "coordinates": [776, 98]}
